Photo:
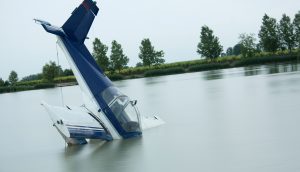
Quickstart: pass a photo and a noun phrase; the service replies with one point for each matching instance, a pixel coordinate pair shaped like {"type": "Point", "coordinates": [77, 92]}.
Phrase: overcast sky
{"type": "Point", "coordinates": [172, 25]}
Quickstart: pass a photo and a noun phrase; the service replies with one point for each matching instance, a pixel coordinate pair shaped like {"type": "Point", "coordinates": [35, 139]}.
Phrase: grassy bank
{"type": "Point", "coordinates": [17, 88]}
{"type": "Point", "coordinates": [205, 65]}
{"type": "Point", "coordinates": [168, 69]}
{"type": "Point", "coordinates": [208, 64]}
{"type": "Point", "coordinates": [192, 66]}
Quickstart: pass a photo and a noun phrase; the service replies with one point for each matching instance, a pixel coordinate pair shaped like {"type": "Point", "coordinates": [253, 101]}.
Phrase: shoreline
{"type": "Point", "coordinates": [161, 70]}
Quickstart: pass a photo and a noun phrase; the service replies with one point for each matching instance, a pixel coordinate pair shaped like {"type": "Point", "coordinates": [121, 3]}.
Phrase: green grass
{"type": "Point", "coordinates": [65, 79]}
{"type": "Point", "coordinates": [30, 83]}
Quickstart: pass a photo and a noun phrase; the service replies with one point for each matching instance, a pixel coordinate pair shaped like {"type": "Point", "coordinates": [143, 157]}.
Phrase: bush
{"type": "Point", "coordinates": [213, 66]}
{"type": "Point", "coordinates": [15, 88]}
{"type": "Point", "coordinates": [64, 79]}
{"type": "Point", "coordinates": [4, 89]}
{"type": "Point", "coordinates": [264, 60]}
{"type": "Point", "coordinates": [143, 69]}
{"type": "Point", "coordinates": [115, 77]}
{"type": "Point", "coordinates": [44, 85]}
{"type": "Point", "coordinates": [159, 72]}
{"type": "Point", "coordinates": [25, 88]}
{"type": "Point", "coordinates": [29, 83]}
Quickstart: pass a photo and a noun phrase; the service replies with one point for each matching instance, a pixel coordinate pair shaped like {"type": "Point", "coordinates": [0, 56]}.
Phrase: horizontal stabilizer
{"type": "Point", "coordinates": [41, 22]}
{"type": "Point", "coordinates": [50, 28]}
{"type": "Point", "coordinates": [151, 122]}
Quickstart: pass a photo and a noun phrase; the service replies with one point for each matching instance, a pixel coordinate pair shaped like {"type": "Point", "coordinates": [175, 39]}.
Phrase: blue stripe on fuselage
{"type": "Point", "coordinates": [89, 134]}
{"type": "Point", "coordinates": [80, 126]}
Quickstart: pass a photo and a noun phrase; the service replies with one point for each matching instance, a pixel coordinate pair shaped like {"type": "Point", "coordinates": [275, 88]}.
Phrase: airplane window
{"type": "Point", "coordinates": [110, 93]}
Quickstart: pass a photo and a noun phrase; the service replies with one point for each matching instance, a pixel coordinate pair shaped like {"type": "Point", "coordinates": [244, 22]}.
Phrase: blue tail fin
{"type": "Point", "coordinates": [79, 24]}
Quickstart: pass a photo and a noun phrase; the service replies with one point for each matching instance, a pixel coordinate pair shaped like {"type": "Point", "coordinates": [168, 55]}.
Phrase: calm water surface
{"type": "Point", "coordinates": [233, 120]}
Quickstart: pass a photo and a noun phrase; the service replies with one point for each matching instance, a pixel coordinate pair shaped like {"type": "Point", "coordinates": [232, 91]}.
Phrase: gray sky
{"type": "Point", "coordinates": [172, 25]}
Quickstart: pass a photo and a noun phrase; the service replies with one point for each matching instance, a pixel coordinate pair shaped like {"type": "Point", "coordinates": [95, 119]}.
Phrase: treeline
{"type": "Point", "coordinates": [278, 41]}
{"type": "Point", "coordinates": [118, 60]}
{"type": "Point", "coordinates": [45, 79]}
{"type": "Point", "coordinates": [12, 79]}
{"type": "Point", "coordinates": [12, 84]}
{"type": "Point", "coordinates": [273, 36]}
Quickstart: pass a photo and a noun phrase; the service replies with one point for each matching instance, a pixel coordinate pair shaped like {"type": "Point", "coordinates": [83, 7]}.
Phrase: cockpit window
{"type": "Point", "coordinates": [126, 114]}
{"type": "Point", "coordinates": [110, 94]}
{"type": "Point", "coordinates": [122, 108]}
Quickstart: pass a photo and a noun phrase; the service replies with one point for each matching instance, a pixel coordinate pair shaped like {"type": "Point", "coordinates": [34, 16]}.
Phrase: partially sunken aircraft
{"type": "Point", "coordinates": [107, 113]}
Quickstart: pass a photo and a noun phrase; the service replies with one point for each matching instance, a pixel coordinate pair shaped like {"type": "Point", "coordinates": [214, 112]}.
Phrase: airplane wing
{"type": "Point", "coordinates": [76, 123]}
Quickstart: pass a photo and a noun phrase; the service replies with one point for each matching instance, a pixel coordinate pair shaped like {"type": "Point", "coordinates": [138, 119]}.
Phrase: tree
{"type": "Point", "coordinates": [286, 31]}
{"type": "Point", "coordinates": [237, 49]}
{"type": "Point", "coordinates": [139, 64]}
{"type": "Point", "coordinates": [268, 34]}
{"type": "Point", "coordinates": [67, 72]}
{"type": "Point", "coordinates": [297, 28]}
{"type": "Point", "coordinates": [99, 53]}
{"type": "Point", "coordinates": [32, 77]}
{"type": "Point", "coordinates": [13, 78]}
{"type": "Point", "coordinates": [258, 48]}
{"type": "Point", "coordinates": [50, 71]}
{"type": "Point", "coordinates": [117, 57]}
{"type": "Point", "coordinates": [148, 55]}
{"type": "Point", "coordinates": [229, 51]}
{"type": "Point", "coordinates": [1, 82]}
{"type": "Point", "coordinates": [209, 45]}
{"type": "Point", "coordinates": [248, 44]}
{"type": "Point", "coordinates": [6, 83]}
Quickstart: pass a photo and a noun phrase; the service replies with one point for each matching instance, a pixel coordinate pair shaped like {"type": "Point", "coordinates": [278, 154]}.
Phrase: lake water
{"type": "Point", "coordinates": [233, 120]}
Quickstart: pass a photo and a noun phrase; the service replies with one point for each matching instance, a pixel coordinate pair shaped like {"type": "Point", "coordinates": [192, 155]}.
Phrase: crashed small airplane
{"type": "Point", "coordinates": [107, 113]}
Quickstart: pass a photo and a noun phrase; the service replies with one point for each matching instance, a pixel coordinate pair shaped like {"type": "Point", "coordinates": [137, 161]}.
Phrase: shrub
{"type": "Point", "coordinates": [64, 79]}
{"type": "Point", "coordinates": [264, 60]}
{"type": "Point", "coordinates": [15, 88]}
{"type": "Point", "coordinates": [4, 89]}
{"type": "Point", "coordinates": [115, 77]}
{"type": "Point", "coordinates": [212, 66]}
{"type": "Point", "coordinates": [29, 83]}
{"type": "Point", "coordinates": [159, 72]}
{"type": "Point", "coordinates": [44, 85]}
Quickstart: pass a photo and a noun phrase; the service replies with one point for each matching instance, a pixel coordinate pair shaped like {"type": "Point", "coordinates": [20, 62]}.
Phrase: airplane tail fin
{"type": "Point", "coordinates": [79, 24]}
